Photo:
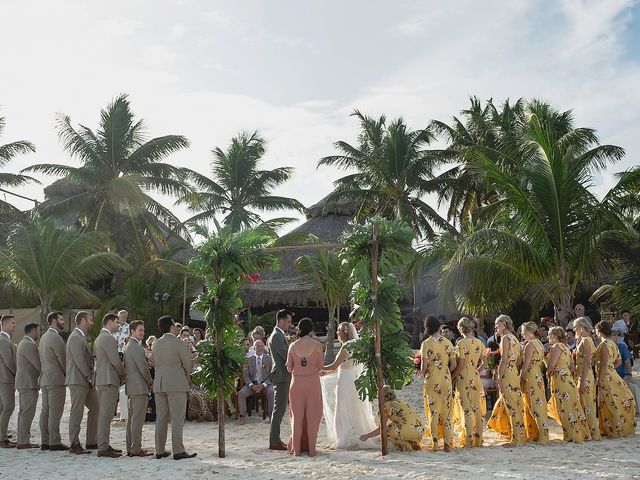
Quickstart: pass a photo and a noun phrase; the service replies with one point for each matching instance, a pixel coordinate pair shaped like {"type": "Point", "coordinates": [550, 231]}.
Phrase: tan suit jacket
{"type": "Point", "coordinates": [172, 364]}
{"type": "Point", "coordinates": [7, 361]}
{"type": "Point", "coordinates": [52, 359]}
{"type": "Point", "coordinates": [79, 360]}
{"type": "Point", "coordinates": [28, 365]}
{"type": "Point", "coordinates": [137, 369]}
{"type": "Point", "coordinates": [109, 370]}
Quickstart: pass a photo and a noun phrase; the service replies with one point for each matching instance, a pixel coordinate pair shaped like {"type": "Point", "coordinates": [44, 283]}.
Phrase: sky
{"type": "Point", "coordinates": [295, 71]}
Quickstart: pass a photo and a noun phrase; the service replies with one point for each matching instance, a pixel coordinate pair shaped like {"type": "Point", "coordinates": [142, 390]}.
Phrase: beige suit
{"type": "Point", "coordinates": [137, 389]}
{"type": "Point", "coordinates": [171, 386]}
{"type": "Point", "coordinates": [27, 376]}
{"type": "Point", "coordinates": [80, 383]}
{"type": "Point", "coordinates": [52, 384]}
{"type": "Point", "coordinates": [109, 373]}
{"type": "Point", "coordinates": [7, 383]}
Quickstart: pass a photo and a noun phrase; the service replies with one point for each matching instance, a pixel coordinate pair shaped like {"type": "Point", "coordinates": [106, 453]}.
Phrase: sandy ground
{"type": "Point", "coordinates": [248, 457]}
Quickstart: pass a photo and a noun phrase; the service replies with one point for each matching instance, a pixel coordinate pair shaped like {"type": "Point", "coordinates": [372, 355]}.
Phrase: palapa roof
{"type": "Point", "coordinates": [327, 220]}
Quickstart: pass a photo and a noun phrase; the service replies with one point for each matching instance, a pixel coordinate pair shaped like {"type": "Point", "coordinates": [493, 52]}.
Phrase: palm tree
{"type": "Point", "coordinates": [109, 192]}
{"type": "Point", "coordinates": [54, 264]}
{"type": "Point", "coordinates": [238, 187]}
{"type": "Point", "coordinates": [7, 152]}
{"type": "Point", "coordinates": [331, 286]}
{"type": "Point", "coordinates": [392, 173]}
{"type": "Point", "coordinates": [488, 127]}
{"type": "Point", "coordinates": [549, 244]}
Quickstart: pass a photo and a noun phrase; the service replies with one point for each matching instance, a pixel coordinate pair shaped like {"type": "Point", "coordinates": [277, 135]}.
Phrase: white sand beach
{"type": "Point", "coordinates": [248, 457]}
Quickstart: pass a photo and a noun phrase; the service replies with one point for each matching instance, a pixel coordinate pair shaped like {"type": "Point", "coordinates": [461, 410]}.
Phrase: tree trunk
{"type": "Point", "coordinates": [221, 402]}
{"type": "Point", "coordinates": [378, 344]}
{"type": "Point", "coordinates": [330, 354]}
{"type": "Point", "coordinates": [563, 306]}
{"type": "Point", "coordinates": [45, 308]}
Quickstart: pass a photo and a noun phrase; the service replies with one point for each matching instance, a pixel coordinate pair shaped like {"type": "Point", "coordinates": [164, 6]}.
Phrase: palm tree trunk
{"type": "Point", "coordinates": [45, 308]}
{"type": "Point", "coordinates": [330, 354]}
{"type": "Point", "coordinates": [563, 306]}
{"type": "Point", "coordinates": [221, 402]}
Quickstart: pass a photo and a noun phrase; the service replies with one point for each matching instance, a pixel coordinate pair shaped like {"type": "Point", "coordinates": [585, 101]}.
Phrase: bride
{"type": "Point", "coordinates": [346, 416]}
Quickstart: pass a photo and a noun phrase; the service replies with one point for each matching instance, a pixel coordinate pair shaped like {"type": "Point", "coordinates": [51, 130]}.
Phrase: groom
{"type": "Point", "coordinates": [280, 377]}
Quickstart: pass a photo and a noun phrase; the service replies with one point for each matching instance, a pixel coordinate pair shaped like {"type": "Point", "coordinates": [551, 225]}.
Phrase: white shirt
{"type": "Point", "coordinates": [27, 336]}
{"type": "Point", "coordinates": [6, 335]}
{"type": "Point", "coordinates": [51, 328]}
{"type": "Point", "coordinates": [105, 330]}
{"type": "Point", "coordinates": [621, 326]}
{"type": "Point", "coordinates": [81, 332]}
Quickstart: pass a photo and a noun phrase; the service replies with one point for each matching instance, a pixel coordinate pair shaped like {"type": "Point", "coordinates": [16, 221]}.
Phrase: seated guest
{"type": "Point", "coordinates": [257, 379]}
{"type": "Point", "coordinates": [246, 345]}
{"type": "Point", "coordinates": [257, 334]}
{"type": "Point", "coordinates": [198, 336]}
{"type": "Point", "coordinates": [624, 369]}
{"type": "Point", "coordinates": [571, 339]}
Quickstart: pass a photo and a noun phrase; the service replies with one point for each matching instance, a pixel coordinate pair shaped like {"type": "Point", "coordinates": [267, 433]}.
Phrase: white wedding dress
{"type": "Point", "coordinates": [346, 416]}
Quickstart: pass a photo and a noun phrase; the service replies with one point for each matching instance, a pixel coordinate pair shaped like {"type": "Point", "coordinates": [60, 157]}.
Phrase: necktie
{"type": "Point", "coordinates": [259, 369]}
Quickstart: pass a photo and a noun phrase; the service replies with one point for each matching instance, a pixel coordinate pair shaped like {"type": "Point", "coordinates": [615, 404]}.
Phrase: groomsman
{"type": "Point", "coordinates": [280, 376]}
{"type": "Point", "coordinates": [109, 377]}
{"type": "Point", "coordinates": [139, 382]}
{"type": "Point", "coordinates": [171, 384]}
{"type": "Point", "coordinates": [27, 373]}
{"type": "Point", "coordinates": [7, 378]}
{"type": "Point", "coordinates": [52, 383]}
{"type": "Point", "coordinates": [80, 382]}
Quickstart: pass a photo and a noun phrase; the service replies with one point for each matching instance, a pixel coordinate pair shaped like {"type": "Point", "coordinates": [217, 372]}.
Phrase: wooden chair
{"type": "Point", "coordinates": [252, 402]}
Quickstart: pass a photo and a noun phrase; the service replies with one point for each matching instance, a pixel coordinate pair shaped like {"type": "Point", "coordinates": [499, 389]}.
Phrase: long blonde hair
{"type": "Point", "coordinates": [351, 329]}
{"type": "Point", "coordinates": [508, 323]}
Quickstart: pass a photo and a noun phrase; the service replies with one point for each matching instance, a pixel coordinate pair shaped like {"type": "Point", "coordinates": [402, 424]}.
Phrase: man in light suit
{"type": "Point", "coordinates": [139, 383]}
{"type": "Point", "coordinates": [257, 379]}
{"type": "Point", "coordinates": [52, 383]}
{"type": "Point", "coordinates": [280, 376]}
{"type": "Point", "coordinates": [109, 377]}
{"type": "Point", "coordinates": [7, 378]}
{"type": "Point", "coordinates": [173, 366]}
{"type": "Point", "coordinates": [27, 374]}
{"type": "Point", "coordinates": [80, 374]}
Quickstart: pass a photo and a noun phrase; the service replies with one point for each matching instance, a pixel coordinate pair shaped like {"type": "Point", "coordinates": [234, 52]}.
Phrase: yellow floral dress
{"type": "Point", "coordinates": [564, 405]}
{"type": "Point", "coordinates": [468, 416]}
{"type": "Point", "coordinates": [587, 382]}
{"type": "Point", "coordinates": [404, 428]}
{"type": "Point", "coordinates": [536, 421]}
{"type": "Point", "coordinates": [507, 416]}
{"type": "Point", "coordinates": [616, 406]}
{"type": "Point", "coordinates": [437, 391]}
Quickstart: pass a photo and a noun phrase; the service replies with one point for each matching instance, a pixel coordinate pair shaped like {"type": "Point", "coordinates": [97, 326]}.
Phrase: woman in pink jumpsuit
{"type": "Point", "coordinates": [304, 361]}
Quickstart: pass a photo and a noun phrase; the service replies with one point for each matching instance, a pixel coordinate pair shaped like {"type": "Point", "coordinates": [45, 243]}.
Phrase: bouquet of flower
{"type": "Point", "coordinates": [417, 360]}
{"type": "Point", "coordinates": [493, 359]}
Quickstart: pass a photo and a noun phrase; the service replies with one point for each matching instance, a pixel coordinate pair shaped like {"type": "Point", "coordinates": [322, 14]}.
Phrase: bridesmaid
{"type": "Point", "coordinates": [304, 361]}
{"type": "Point", "coordinates": [468, 386]}
{"type": "Point", "coordinates": [507, 417]}
{"type": "Point", "coordinates": [616, 406]}
{"type": "Point", "coordinates": [536, 421]}
{"type": "Point", "coordinates": [564, 405]}
{"type": "Point", "coordinates": [438, 360]}
{"type": "Point", "coordinates": [584, 373]}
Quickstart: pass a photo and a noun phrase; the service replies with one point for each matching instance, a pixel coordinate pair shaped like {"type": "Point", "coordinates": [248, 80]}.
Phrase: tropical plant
{"type": "Point", "coordinates": [549, 244]}
{"type": "Point", "coordinates": [489, 127]}
{"type": "Point", "coordinates": [8, 151]}
{"type": "Point", "coordinates": [50, 263]}
{"type": "Point", "coordinates": [224, 261]}
{"type": "Point", "coordinates": [324, 270]}
{"type": "Point", "coordinates": [392, 172]}
{"type": "Point", "coordinates": [109, 192]}
{"type": "Point", "coordinates": [238, 186]}
{"type": "Point", "coordinates": [375, 301]}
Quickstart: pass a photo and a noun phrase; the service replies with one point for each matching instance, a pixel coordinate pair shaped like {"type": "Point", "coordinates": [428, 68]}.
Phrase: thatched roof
{"type": "Point", "coordinates": [325, 220]}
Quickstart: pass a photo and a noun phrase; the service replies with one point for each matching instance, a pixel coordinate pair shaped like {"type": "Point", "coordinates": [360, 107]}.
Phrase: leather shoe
{"type": "Point", "coordinates": [7, 444]}
{"type": "Point", "coordinates": [93, 446]}
{"type": "Point", "coordinates": [78, 450]}
{"type": "Point", "coordinates": [162, 455]}
{"type": "Point", "coordinates": [141, 453]}
{"type": "Point", "coordinates": [24, 446]}
{"type": "Point", "coordinates": [58, 448]}
{"type": "Point", "coordinates": [114, 450]}
{"type": "Point", "coordinates": [277, 446]}
{"type": "Point", "coordinates": [180, 456]}
{"type": "Point", "coordinates": [108, 454]}
{"type": "Point", "coordinates": [44, 447]}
